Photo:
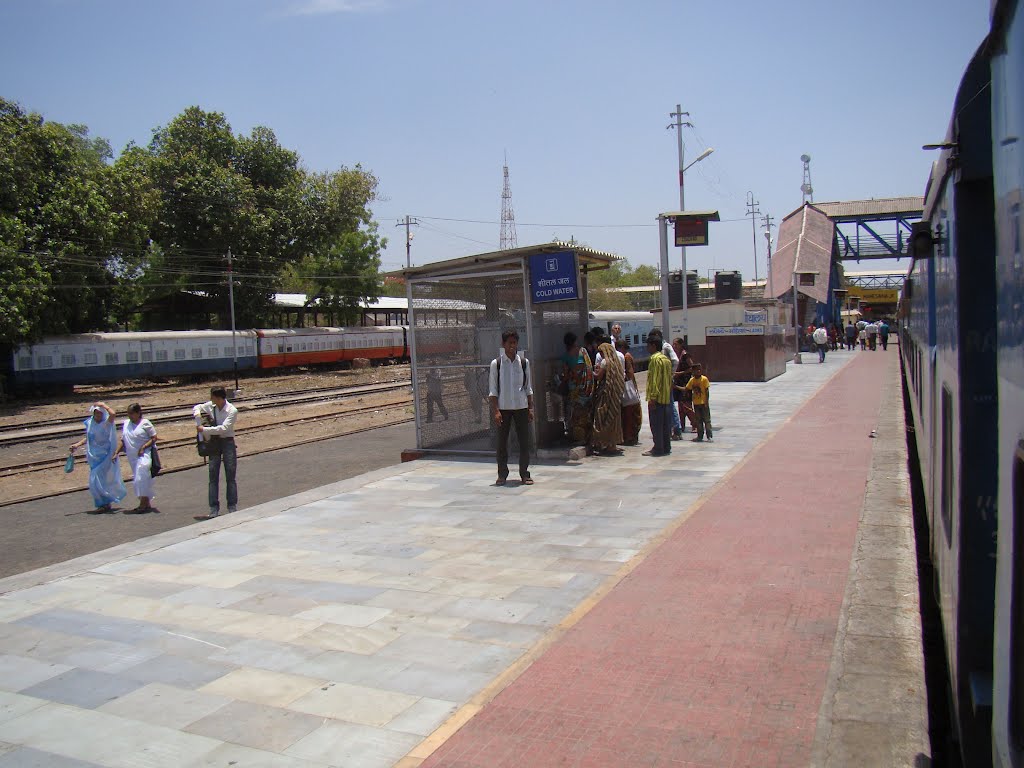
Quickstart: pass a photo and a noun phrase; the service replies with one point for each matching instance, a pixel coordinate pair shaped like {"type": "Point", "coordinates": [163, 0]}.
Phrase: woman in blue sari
{"type": "Point", "coordinates": [100, 443]}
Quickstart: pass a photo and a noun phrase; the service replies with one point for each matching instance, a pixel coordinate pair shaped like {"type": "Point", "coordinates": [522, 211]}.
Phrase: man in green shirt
{"type": "Point", "coordinates": [659, 397]}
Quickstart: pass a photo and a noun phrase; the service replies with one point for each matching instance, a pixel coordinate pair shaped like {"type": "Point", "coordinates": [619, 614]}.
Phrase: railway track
{"type": "Point", "coordinates": [20, 434]}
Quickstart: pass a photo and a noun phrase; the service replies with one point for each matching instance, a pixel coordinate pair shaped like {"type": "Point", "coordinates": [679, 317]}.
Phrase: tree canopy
{"type": "Point", "coordinates": [88, 242]}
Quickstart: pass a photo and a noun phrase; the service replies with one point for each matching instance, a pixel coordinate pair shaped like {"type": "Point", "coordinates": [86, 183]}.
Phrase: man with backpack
{"type": "Point", "coordinates": [511, 397]}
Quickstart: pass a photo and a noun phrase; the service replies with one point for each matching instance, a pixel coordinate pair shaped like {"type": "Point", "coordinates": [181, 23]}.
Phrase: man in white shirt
{"type": "Point", "coordinates": [215, 423]}
{"type": "Point", "coordinates": [511, 397]}
{"type": "Point", "coordinates": [820, 337]}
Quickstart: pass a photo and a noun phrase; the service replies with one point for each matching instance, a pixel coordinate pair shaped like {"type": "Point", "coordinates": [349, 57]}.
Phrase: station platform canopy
{"type": "Point", "coordinates": [540, 291]}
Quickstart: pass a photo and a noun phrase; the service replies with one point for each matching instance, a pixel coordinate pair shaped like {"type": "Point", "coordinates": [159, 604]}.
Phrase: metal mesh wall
{"type": "Point", "coordinates": [456, 333]}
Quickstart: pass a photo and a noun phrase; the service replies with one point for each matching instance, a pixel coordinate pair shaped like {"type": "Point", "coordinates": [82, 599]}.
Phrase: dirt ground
{"type": "Point", "coordinates": [300, 425]}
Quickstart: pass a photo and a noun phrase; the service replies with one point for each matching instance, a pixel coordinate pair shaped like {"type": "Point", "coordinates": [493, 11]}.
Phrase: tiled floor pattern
{"type": "Point", "coordinates": [342, 632]}
{"type": "Point", "coordinates": [715, 650]}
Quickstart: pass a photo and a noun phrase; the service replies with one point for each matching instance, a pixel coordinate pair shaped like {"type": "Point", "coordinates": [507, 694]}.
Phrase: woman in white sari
{"type": "Point", "coordinates": [138, 435]}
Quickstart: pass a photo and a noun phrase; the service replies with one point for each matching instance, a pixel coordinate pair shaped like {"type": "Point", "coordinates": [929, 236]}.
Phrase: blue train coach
{"type": "Point", "coordinates": [100, 357]}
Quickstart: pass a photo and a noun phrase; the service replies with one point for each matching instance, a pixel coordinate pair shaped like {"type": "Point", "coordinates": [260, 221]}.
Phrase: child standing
{"type": "Point", "coordinates": [700, 386]}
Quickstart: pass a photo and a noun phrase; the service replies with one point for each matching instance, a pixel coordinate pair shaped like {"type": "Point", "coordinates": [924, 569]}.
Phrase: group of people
{"type": "Point", "coordinates": [599, 388]}
{"type": "Point", "coordinates": [215, 427]}
{"type": "Point", "coordinates": [870, 335]}
{"type": "Point", "coordinates": [103, 447]}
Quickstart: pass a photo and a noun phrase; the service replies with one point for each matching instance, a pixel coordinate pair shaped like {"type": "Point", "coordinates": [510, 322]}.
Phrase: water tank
{"type": "Point", "coordinates": [692, 288]}
{"type": "Point", "coordinates": [675, 288]}
{"type": "Point", "coordinates": [728, 285]}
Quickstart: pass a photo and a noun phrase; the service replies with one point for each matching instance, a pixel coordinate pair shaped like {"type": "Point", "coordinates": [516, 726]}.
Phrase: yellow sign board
{"type": "Point", "coordinates": [875, 295]}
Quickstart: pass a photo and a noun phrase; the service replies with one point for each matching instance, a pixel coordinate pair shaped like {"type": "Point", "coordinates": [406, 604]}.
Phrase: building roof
{"type": "Point", "coordinates": [805, 245]}
{"type": "Point", "coordinates": [508, 259]}
{"type": "Point", "coordinates": [877, 210]}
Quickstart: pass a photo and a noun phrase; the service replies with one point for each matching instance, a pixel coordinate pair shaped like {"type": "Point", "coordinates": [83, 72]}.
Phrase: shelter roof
{"type": "Point", "coordinates": [805, 245]}
{"type": "Point", "coordinates": [877, 210]}
{"type": "Point", "coordinates": [508, 259]}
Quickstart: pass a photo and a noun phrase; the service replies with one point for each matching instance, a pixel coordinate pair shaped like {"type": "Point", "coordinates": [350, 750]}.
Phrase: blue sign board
{"type": "Point", "coordinates": [553, 277]}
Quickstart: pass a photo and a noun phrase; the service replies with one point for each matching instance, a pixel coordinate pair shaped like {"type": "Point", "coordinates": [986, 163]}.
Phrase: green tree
{"type": "Point", "coordinates": [58, 227]}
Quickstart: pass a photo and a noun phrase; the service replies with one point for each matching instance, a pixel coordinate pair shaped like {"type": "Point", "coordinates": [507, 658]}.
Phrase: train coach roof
{"type": "Point", "coordinates": [139, 336]}
{"type": "Point", "coordinates": [322, 330]}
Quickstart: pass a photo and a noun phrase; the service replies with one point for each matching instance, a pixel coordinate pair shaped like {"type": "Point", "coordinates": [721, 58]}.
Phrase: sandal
{"type": "Point", "coordinates": [500, 481]}
{"type": "Point", "coordinates": [528, 481]}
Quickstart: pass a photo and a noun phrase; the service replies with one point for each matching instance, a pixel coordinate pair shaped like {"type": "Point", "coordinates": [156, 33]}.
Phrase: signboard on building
{"type": "Point", "coordinates": [553, 277]}
{"type": "Point", "coordinates": [878, 295]}
{"type": "Point", "coordinates": [734, 330]}
{"type": "Point", "coordinates": [755, 316]}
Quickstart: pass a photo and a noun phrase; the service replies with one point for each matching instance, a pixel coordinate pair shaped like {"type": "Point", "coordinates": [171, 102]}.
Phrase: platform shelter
{"type": "Point", "coordinates": [540, 290]}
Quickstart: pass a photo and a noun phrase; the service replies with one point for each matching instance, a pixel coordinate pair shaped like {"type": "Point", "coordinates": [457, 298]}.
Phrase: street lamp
{"type": "Point", "coordinates": [682, 249]}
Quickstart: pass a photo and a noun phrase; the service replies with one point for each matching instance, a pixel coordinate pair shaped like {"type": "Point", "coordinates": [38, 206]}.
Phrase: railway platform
{"type": "Point", "coordinates": [751, 601]}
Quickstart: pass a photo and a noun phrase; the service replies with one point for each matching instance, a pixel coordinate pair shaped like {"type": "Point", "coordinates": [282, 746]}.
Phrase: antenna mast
{"type": "Point", "coordinates": [806, 188]}
{"type": "Point", "coordinates": [508, 216]}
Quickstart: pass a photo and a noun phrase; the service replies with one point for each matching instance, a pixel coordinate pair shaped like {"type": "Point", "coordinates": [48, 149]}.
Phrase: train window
{"type": "Point", "coordinates": [147, 356]}
{"type": "Point", "coordinates": [131, 357]}
{"type": "Point", "coordinates": [111, 358]}
{"type": "Point", "coordinates": [211, 351]}
{"type": "Point", "coordinates": [249, 349]}
{"type": "Point", "coordinates": [197, 353]}
{"type": "Point", "coordinates": [25, 363]}
{"type": "Point", "coordinates": [946, 500]}
{"type": "Point", "coordinates": [1017, 605]}
{"type": "Point", "coordinates": [161, 355]}
{"type": "Point", "coordinates": [91, 358]}
{"type": "Point", "coordinates": [179, 354]}
{"type": "Point", "coordinates": [229, 352]}
{"type": "Point", "coordinates": [68, 361]}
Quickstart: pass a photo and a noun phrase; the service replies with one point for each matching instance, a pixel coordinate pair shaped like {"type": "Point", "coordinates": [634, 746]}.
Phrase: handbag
{"type": "Point", "coordinates": [154, 459]}
{"type": "Point", "coordinates": [202, 447]}
{"type": "Point", "coordinates": [69, 465]}
{"type": "Point", "coordinates": [630, 395]}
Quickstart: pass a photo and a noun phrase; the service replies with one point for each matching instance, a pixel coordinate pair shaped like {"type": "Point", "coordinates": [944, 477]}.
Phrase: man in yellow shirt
{"type": "Point", "coordinates": [700, 386]}
{"type": "Point", "coordinates": [659, 397]}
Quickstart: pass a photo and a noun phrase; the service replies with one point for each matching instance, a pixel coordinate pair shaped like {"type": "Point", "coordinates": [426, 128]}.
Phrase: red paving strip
{"type": "Point", "coordinates": [715, 650]}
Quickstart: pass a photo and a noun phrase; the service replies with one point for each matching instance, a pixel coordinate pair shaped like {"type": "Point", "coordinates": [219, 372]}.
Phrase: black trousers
{"type": "Point", "coordinates": [521, 419]}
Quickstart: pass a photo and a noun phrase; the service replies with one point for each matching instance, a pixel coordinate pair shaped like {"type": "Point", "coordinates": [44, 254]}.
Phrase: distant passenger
{"type": "Point", "coordinates": [616, 335]}
{"type": "Point", "coordinates": [668, 351]}
{"type": "Point", "coordinates": [434, 387]}
{"type": "Point", "coordinates": [100, 441]}
{"type": "Point", "coordinates": [872, 331]}
{"type": "Point", "coordinates": [138, 436]}
{"type": "Point", "coordinates": [511, 396]}
{"type": "Point", "coordinates": [680, 394]}
{"type": "Point", "coordinates": [862, 336]}
{"type": "Point", "coordinates": [475, 382]}
{"type": "Point", "coordinates": [851, 335]}
{"type": "Point", "coordinates": [701, 388]}
{"type": "Point", "coordinates": [883, 334]}
{"type": "Point", "coordinates": [215, 423]}
{"type": "Point", "coordinates": [659, 396]}
{"type": "Point", "coordinates": [609, 371]}
{"type": "Point", "coordinates": [820, 337]}
{"type": "Point", "coordinates": [632, 412]}
{"type": "Point", "coordinates": [578, 374]}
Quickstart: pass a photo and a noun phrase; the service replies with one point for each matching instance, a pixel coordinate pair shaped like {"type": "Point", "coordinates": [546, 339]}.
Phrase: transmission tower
{"type": "Point", "coordinates": [508, 216]}
{"type": "Point", "coordinates": [806, 188]}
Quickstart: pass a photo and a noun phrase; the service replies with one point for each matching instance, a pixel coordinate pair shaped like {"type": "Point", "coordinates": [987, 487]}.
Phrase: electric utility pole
{"type": "Point", "coordinates": [231, 302]}
{"type": "Point", "coordinates": [409, 221]}
{"type": "Point", "coordinates": [752, 212]}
